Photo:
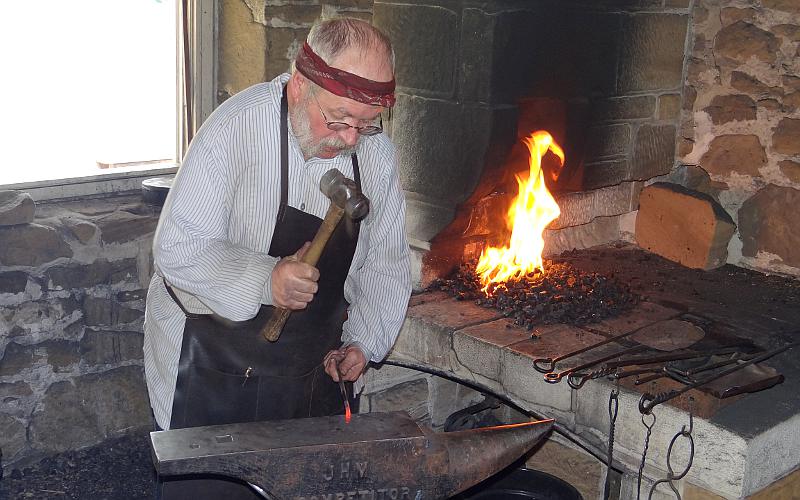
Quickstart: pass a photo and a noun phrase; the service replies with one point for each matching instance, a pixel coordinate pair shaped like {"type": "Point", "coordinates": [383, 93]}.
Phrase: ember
{"type": "Point", "coordinates": [562, 294]}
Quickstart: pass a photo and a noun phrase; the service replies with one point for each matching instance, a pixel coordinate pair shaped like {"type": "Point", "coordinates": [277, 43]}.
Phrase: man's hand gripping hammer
{"type": "Point", "coordinates": [346, 199]}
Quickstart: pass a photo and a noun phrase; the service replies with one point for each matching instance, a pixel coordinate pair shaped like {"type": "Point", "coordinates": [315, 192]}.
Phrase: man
{"type": "Point", "coordinates": [239, 216]}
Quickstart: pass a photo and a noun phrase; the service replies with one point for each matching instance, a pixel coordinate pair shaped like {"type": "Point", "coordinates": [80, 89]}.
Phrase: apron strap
{"type": "Point", "coordinates": [177, 301]}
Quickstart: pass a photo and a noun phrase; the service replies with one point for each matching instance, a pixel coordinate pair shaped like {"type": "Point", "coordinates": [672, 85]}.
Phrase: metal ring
{"type": "Point", "coordinates": [550, 363]}
{"type": "Point", "coordinates": [688, 435]}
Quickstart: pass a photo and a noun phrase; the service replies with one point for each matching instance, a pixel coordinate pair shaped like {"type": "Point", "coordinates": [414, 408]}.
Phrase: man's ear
{"type": "Point", "coordinates": [295, 86]}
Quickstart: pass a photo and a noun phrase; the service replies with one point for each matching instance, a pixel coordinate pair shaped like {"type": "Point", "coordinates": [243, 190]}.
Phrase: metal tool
{"type": "Point", "coordinates": [556, 377]}
{"type": "Point", "coordinates": [665, 336]}
{"type": "Point", "coordinates": [648, 401]}
{"type": "Point", "coordinates": [346, 199]}
{"type": "Point", "coordinates": [343, 390]}
{"type": "Point", "coordinates": [378, 455]}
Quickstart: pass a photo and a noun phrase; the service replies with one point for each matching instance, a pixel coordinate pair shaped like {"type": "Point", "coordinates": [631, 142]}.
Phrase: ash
{"type": "Point", "coordinates": [116, 469]}
{"type": "Point", "coordinates": [560, 294]}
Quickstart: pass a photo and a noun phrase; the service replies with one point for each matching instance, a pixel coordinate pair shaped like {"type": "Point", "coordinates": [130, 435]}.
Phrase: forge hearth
{"type": "Point", "coordinates": [750, 434]}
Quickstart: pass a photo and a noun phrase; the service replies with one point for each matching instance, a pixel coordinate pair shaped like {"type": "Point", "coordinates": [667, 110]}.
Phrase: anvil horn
{"type": "Point", "coordinates": [376, 456]}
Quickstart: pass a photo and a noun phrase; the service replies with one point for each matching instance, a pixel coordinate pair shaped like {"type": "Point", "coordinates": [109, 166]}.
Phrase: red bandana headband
{"type": "Point", "coordinates": [342, 83]}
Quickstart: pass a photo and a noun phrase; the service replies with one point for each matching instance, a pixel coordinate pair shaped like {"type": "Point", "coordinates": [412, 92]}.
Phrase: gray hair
{"type": "Point", "coordinates": [331, 37]}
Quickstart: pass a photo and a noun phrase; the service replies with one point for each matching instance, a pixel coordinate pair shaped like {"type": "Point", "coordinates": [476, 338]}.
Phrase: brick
{"type": "Point", "coordinates": [683, 226]}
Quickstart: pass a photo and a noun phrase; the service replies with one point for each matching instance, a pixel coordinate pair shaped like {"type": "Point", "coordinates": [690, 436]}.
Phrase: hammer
{"type": "Point", "coordinates": [345, 198]}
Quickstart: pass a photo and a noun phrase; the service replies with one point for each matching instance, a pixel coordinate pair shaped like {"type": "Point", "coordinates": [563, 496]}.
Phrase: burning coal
{"type": "Point", "coordinates": [561, 294]}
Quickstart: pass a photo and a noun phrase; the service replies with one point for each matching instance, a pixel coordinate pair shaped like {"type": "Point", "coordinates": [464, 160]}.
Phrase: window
{"type": "Point", "coordinates": [94, 87]}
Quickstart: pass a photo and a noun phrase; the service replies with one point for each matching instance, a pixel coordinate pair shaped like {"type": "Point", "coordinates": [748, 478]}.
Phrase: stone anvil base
{"type": "Point", "coordinates": [375, 456]}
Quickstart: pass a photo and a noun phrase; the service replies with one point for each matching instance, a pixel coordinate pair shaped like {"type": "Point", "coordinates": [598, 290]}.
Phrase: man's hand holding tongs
{"type": "Point", "coordinates": [349, 361]}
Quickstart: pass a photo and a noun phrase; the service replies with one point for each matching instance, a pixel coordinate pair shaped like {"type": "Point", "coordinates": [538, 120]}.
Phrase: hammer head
{"type": "Point", "coordinates": [344, 193]}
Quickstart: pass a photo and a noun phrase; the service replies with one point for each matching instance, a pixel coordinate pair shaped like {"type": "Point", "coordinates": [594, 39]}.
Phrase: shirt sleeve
{"type": "Point", "coordinates": [192, 250]}
{"type": "Point", "coordinates": [379, 290]}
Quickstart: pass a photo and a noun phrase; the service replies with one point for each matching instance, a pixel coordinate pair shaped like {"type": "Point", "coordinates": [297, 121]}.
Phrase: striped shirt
{"type": "Point", "coordinates": [216, 227]}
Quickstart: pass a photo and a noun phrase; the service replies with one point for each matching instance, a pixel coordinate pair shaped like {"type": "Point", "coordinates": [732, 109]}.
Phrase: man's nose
{"type": "Point", "coordinates": [349, 136]}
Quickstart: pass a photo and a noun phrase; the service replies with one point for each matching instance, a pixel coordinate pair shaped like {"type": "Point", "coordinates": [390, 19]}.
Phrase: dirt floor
{"type": "Point", "coordinates": [118, 469]}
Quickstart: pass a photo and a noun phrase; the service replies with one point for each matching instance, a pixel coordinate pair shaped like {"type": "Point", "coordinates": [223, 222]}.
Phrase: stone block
{"type": "Point", "coordinates": [282, 45]}
{"type": "Point", "coordinates": [31, 245]}
{"type": "Point", "coordinates": [122, 227]}
{"type": "Point", "coordinates": [790, 6]}
{"type": "Point", "coordinates": [448, 397]}
{"type": "Point", "coordinates": [653, 151]}
{"type": "Point", "coordinates": [791, 169]}
{"type": "Point", "coordinates": [425, 218]}
{"type": "Point", "coordinates": [16, 208]}
{"type": "Point", "coordinates": [475, 74]}
{"type": "Point", "coordinates": [42, 315]}
{"type": "Point", "coordinates": [131, 295]}
{"type": "Point", "coordinates": [104, 312]}
{"type": "Point", "coordinates": [448, 168]}
{"type": "Point", "coordinates": [383, 376]}
{"type": "Point", "coordinates": [669, 107]}
{"type": "Point", "coordinates": [683, 226]}
{"type": "Point", "coordinates": [78, 276]}
{"type": "Point", "coordinates": [291, 15]}
{"type": "Point", "coordinates": [12, 437]}
{"type": "Point", "coordinates": [83, 231]}
{"type": "Point", "coordinates": [742, 154]}
{"type": "Point", "coordinates": [605, 173]}
{"type": "Point", "coordinates": [753, 86]}
{"type": "Point", "coordinates": [61, 354]}
{"type": "Point", "coordinates": [90, 409]}
{"type": "Point", "coordinates": [409, 396]}
{"type": "Point", "coordinates": [789, 31]}
{"type": "Point", "coordinates": [600, 231]}
{"type": "Point", "coordinates": [741, 40]}
{"type": "Point", "coordinates": [18, 357]}
{"type": "Point", "coordinates": [104, 347]}
{"type": "Point", "coordinates": [624, 108]}
{"type": "Point", "coordinates": [728, 108]}
{"type": "Point", "coordinates": [730, 15]}
{"type": "Point", "coordinates": [768, 223]}
{"type": "Point", "coordinates": [414, 31]}
{"type": "Point", "coordinates": [582, 207]}
{"type": "Point", "coordinates": [15, 399]}
{"type": "Point", "coordinates": [607, 140]}
{"type": "Point", "coordinates": [13, 282]}
{"type": "Point", "coordinates": [652, 51]}
{"type": "Point", "coordinates": [479, 347]}
{"type": "Point", "coordinates": [786, 137]}
{"type": "Point", "coordinates": [578, 468]}
{"type": "Point", "coordinates": [241, 47]}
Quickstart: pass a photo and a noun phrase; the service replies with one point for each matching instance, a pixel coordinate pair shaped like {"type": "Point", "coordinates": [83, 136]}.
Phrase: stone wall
{"type": "Point", "coordinates": [740, 134]}
{"type": "Point", "coordinates": [73, 280]}
{"type": "Point", "coordinates": [259, 38]}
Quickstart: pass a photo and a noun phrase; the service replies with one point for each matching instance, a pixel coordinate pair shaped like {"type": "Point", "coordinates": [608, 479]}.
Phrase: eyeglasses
{"type": "Point", "coordinates": [340, 126]}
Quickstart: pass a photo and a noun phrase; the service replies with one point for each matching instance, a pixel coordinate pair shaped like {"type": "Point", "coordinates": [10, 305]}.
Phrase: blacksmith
{"type": "Point", "coordinates": [236, 221]}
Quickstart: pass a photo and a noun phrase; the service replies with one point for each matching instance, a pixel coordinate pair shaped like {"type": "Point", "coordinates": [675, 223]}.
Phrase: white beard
{"type": "Point", "coordinates": [301, 126]}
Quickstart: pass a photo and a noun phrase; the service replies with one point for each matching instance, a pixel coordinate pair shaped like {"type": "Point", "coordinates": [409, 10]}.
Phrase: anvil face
{"type": "Point", "coordinates": [376, 456]}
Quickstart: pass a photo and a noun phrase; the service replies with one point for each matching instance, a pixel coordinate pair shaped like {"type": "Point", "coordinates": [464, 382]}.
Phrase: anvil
{"type": "Point", "coordinates": [377, 456]}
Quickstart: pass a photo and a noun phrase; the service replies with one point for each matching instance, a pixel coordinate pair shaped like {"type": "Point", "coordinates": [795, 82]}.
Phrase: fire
{"type": "Point", "coordinates": [530, 213]}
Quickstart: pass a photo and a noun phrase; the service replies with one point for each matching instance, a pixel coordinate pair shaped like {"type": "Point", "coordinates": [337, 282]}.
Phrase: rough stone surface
{"type": "Point", "coordinates": [608, 140]}
{"type": "Point", "coordinates": [241, 48]}
{"type": "Point", "coordinates": [768, 222]}
{"type": "Point", "coordinates": [61, 354]}
{"type": "Point", "coordinates": [100, 311]}
{"type": "Point", "coordinates": [652, 48]}
{"type": "Point", "coordinates": [654, 151]}
{"type": "Point", "coordinates": [791, 169]}
{"type": "Point", "coordinates": [743, 154]}
{"type": "Point", "coordinates": [730, 15]}
{"type": "Point", "coordinates": [407, 396]}
{"type": "Point", "coordinates": [728, 108]}
{"type": "Point", "coordinates": [790, 6]}
{"type": "Point", "coordinates": [624, 108]}
{"type": "Point", "coordinates": [583, 207]}
{"type": "Point", "coordinates": [740, 41]}
{"type": "Point", "coordinates": [105, 404]}
{"type": "Point", "coordinates": [788, 31]}
{"type": "Point", "coordinates": [17, 358]}
{"type": "Point", "coordinates": [16, 208]}
{"type": "Point", "coordinates": [13, 281]}
{"type": "Point", "coordinates": [669, 106]}
{"type": "Point", "coordinates": [83, 230]}
{"type": "Point", "coordinates": [683, 226]}
{"type": "Point", "coordinates": [12, 436]}
{"type": "Point", "coordinates": [31, 245]}
{"type": "Point", "coordinates": [106, 347]}
{"type": "Point", "coordinates": [786, 138]}
{"type": "Point", "coordinates": [418, 66]}
{"type": "Point", "coordinates": [751, 85]}
{"type": "Point", "coordinates": [78, 276]}
{"type": "Point", "coordinates": [605, 173]}
{"type": "Point", "coordinates": [122, 227]}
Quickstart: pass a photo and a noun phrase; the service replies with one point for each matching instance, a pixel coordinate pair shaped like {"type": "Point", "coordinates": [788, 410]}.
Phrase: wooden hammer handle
{"type": "Point", "coordinates": [272, 330]}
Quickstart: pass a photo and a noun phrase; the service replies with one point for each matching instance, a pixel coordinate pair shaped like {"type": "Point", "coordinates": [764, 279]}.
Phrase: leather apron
{"type": "Point", "coordinates": [228, 373]}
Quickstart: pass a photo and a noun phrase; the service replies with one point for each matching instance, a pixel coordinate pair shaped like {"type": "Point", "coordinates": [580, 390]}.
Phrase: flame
{"type": "Point", "coordinates": [530, 213]}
